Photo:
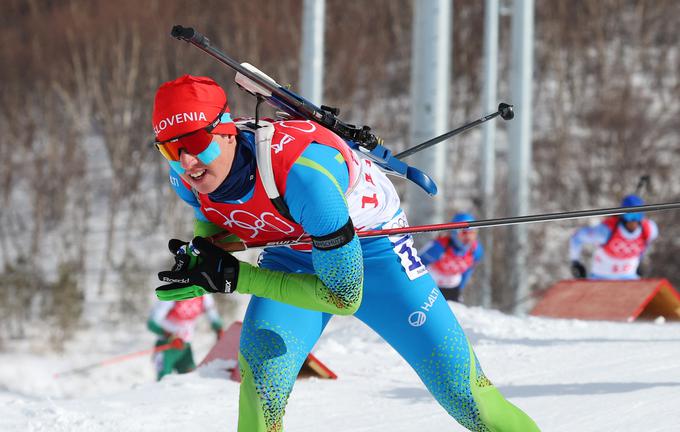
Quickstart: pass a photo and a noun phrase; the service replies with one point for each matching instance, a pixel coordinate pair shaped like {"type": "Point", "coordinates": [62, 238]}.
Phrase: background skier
{"type": "Point", "coordinates": [452, 257]}
{"type": "Point", "coordinates": [172, 320]}
{"type": "Point", "coordinates": [621, 243]}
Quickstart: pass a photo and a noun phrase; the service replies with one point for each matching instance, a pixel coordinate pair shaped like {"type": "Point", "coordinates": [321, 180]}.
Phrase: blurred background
{"type": "Point", "coordinates": [85, 208]}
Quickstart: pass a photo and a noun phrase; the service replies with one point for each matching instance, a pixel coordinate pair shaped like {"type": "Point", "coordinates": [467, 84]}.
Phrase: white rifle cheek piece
{"type": "Point", "coordinates": [251, 86]}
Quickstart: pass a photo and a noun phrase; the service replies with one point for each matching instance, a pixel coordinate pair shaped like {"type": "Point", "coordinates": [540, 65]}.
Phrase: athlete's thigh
{"type": "Point", "coordinates": [411, 315]}
{"type": "Point", "coordinates": [274, 330]}
{"type": "Point", "coordinates": [276, 337]}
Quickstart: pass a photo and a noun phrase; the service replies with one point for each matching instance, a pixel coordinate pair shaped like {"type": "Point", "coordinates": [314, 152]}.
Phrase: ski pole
{"type": "Point", "coordinates": [174, 344]}
{"type": "Point", "coordinates": [260, 85]}
{"type": "Point", "coordinates": [504, 110]}
{"type": "Point", "coordinates": [484, 223]}
{"type": "Point", "coordinates": [644, 180]}
{"type": "Point", "coordinates": [511, 305]}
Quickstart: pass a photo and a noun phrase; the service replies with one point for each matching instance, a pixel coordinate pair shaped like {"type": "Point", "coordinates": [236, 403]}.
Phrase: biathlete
{"type": "Point", "coordinates": [173, 320]}
{"type": "Point", "coordinates": [327, 191]}
{"type": "Point", "coordinates": [451, 258]}
{"type": "Point", "coordinates": [621, 244]}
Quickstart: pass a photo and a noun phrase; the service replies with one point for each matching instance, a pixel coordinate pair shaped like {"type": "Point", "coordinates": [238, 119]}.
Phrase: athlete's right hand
{"type": "Point", "coordinates": [200, 267]}
{"type": "Point", "coordinates": [176, 342]}
{"type": "Point", "coordinates": [578, 270]}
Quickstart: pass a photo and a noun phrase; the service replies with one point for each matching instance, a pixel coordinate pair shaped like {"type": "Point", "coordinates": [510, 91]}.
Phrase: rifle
{"type": "Point", "coordinates": [361, 139]}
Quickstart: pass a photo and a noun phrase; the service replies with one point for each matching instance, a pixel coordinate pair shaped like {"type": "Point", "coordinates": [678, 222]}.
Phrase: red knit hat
{"type": "Point", "coordinates": [187, 104]}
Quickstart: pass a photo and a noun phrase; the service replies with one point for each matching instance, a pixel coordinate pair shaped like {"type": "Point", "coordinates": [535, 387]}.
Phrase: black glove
{"type": "Point", "coordinates": [200, 267]}
{"type": "Point", "coordinates": [578, 270]}
{"type": "Point", "coordinates": [641, 270]}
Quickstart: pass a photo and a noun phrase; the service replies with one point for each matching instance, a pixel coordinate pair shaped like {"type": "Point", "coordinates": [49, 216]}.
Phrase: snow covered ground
{"type": "Point", "coordinates": [568, 375]}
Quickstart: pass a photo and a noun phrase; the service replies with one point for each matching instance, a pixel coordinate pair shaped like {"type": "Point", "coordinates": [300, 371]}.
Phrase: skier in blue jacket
{"type": "Point", "coordinates": [327, 191]}
{"type": "Point", "coordinates": [451, 258]}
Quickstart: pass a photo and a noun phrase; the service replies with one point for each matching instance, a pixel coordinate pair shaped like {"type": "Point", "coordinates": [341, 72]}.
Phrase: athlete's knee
{"type": "Point", "coordinates": [499, 415]}
{"type": "Point", "coordinates": [458, 401]}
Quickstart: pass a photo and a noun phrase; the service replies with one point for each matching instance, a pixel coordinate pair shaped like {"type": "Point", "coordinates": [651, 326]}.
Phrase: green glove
{"type": "Point", "coordinates": [185, 259]}
{"type": "Point", "coordinates": [176, 292]}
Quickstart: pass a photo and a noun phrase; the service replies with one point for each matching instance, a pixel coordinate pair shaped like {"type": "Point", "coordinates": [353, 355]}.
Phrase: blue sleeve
{"type": "Point", "coordinates": [315, 190]}
{"type": "Point", "coordinates": [477, 256]}
{"type": "Point", "coordinates": [432, 252]}
{"type": "Point", "coordinates": [315, 195]}
{"type": "Point", "coordinates": [597, 235]}
{"type": "Point", "coordinates": [187, 195]}
{"type": "Point", "coordinates": [465, 277]}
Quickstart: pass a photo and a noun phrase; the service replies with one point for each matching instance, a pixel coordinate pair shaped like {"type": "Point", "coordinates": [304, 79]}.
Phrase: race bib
{"type": "Point", "coordinates": [403, 247]}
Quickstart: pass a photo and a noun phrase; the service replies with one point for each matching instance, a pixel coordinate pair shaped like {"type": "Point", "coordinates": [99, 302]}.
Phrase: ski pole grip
{"type": "Point", "coordinates": [188, 34]}
{"type": "Point", "coordinates": [506, 111]}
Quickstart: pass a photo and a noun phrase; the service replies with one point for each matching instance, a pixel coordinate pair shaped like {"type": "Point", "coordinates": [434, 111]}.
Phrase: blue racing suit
{"type": "Point", "coordinates": [397, 299]}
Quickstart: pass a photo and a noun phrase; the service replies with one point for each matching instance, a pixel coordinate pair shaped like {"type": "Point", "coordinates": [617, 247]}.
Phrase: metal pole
{"type": "Point", "coordinates": [515, 220]}
{"type": "Point", "coordinates": [430, 78]}
{"type": "Point", "coordinates": [520, 144]}
{"type": "Point", "coordinates": [311, 53]}
{"type": "Point", "coordinates": [504, 110]}
{"type": "Point", "coordinates": [489, 145]}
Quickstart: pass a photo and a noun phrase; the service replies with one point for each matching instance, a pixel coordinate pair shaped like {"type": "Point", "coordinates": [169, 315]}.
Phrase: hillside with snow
{"type": "Point", "coordinates": [568, 375]}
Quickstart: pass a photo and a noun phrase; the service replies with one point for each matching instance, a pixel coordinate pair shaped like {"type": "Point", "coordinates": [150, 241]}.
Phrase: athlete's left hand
{"type": "Point", "coordinates": [578, 270]}
{"type": "Point", "coordinates": [213, 270]}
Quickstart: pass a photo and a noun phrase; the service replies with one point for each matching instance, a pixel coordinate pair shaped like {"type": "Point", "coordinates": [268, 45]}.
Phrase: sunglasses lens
{"type": "Point", "coordinates": [167, 151]}
{"type": "Point", "coordinates": [193, 143]}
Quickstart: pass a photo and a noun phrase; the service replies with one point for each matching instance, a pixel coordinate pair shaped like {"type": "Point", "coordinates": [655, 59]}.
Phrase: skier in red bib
{"type": "Point", "coordinates": [172, 320]}
{"type": "Point", "coordinates": [621, 243]}
{"type": "Point", "coordinates": [451, 258]}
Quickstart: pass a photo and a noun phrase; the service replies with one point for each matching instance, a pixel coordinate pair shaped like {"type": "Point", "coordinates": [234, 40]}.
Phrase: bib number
{"type": "Point", "coordinates": [403, 247]}
{"type": "Point", "coordinates": [408, 256]}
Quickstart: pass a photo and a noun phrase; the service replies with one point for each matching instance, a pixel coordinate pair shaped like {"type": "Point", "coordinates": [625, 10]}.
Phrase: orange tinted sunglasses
{"type": "Point", "coordinates": [193, 142]}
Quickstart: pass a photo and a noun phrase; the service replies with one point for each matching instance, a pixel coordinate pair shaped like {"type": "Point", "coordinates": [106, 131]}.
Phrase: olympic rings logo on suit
{"type": "Point", "coordinates": [265, 222]}
{"type": "Point", "coordinates": [295, 124]}
{"type": "Point", "coordinates": [624, 248]}
{"type": "Point", "coordinates": [455, 265]}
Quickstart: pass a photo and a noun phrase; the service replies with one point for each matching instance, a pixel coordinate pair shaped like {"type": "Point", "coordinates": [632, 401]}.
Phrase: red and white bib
{"type": "Point", "coordinates": [184, 314]}
{"type": "Point", "coordinates": [371, 197]}
{"type": "Point", "coordinates": [448, 270]}
{"type": "Point", "coordinates": [620, 256]}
